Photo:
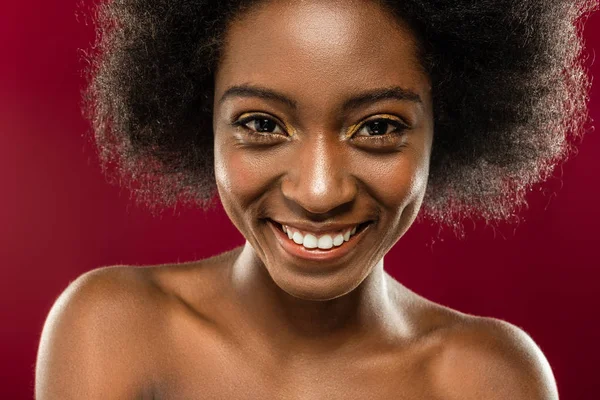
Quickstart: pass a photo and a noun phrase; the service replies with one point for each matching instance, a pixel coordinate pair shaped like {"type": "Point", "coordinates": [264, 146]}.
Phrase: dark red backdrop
{"type": "Point", "coordinates": [58, 219]}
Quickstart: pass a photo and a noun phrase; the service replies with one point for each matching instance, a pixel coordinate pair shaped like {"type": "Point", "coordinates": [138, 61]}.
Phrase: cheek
{"type": "Point", "coordinates": [396, 180]}
{"type": "Point", "coordinates": [241, 175]}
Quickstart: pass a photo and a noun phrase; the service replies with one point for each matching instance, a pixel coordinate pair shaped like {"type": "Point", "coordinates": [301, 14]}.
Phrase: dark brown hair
{"type": "Point", "coordinates": [509, 89]}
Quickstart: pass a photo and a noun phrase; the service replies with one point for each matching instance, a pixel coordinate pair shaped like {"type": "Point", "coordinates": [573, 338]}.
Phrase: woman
{"type": "Point", "coordinates": [325, 127]}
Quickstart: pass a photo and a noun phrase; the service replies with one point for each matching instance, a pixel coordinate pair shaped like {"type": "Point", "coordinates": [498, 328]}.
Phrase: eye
{"type": "Point", "coordinates": [260, 124]}
{"type": "Point", "coordinates": [382, 126]}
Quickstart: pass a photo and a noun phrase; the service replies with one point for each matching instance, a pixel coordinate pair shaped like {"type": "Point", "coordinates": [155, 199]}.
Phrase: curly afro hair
{"type": "Point", "coordinates": [509, 87]}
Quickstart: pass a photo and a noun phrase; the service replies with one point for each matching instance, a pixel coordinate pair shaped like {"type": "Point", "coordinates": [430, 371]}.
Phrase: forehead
{"type": "Point", "coordinates": [320, 50]}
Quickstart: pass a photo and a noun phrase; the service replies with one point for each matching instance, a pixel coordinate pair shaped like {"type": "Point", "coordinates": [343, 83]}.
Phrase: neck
{"type": "Point", "coordinates": [290, 323]}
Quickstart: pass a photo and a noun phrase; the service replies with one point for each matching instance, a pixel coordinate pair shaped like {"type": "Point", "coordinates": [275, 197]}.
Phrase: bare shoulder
{"type": "Point", "coordinates": [109, 294]}
{"type": "Point", "coordinates": [94, 343]}
{"type": "Point", "coordinates": [487, 358]}
{"type": "Point", "coordinates": [109, 332]}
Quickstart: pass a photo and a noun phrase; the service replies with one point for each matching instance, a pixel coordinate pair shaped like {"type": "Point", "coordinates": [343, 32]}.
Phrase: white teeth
{"type": "Point", "coordinates": [310, 241]}
{"type": "Point", "coordinates": [325, 242]}
{"type": "Point", "coordinates": [297, 238]}
{"type": "Point", "coordinates": [347, 236]}
{"type": "Point", "coordinates": [338, 240]}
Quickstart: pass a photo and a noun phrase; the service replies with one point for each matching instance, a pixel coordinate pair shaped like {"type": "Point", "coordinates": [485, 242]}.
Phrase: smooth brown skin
{"type": "Point", "coordinates": [254, 323]}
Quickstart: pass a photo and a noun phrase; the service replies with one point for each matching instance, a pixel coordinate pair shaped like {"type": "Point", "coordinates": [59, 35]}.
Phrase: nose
{"type": "Point", "coordinates": [319, 178]}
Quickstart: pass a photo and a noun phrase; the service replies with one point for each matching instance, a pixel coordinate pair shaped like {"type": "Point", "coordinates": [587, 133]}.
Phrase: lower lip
{"type": "Point", "coordinates": [300, 251]}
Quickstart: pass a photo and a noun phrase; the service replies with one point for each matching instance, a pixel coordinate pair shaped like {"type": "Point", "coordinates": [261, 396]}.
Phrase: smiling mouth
{"type": "Point", "coordinates": [315, 242]}
{"type": "Point", "coordinates": [322, 254]}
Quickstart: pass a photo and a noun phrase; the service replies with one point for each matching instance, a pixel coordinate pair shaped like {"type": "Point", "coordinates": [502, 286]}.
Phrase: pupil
{"type": "Point", "coordinates": [378, 127]}
{"type": "Point", "coordinates": [264, 125]}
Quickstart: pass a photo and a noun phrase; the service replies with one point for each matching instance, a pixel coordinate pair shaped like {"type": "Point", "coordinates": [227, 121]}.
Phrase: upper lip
{"type": "Point", "coordinates": [318, 228]}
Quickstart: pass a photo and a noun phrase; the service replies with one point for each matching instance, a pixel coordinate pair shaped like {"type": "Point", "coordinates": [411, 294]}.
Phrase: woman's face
{"type": "Point", "coordinates": [322, 121]}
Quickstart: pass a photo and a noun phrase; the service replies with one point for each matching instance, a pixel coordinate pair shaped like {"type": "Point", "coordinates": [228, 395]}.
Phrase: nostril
{"type": "Point", "coordinates": [320, 194]}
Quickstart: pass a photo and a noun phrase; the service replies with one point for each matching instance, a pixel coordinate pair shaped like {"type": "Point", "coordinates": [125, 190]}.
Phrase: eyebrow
{"type": "Point", "coordinates": [354, 102]}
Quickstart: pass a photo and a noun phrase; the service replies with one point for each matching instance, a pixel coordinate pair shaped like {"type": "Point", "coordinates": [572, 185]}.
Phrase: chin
{"type": "Point", "coordinates": [322, 286]}
{"type": "Point", "coordinates": [315, 289]}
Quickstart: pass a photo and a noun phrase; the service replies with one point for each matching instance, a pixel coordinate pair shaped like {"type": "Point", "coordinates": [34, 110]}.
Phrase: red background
{"type": "Point", "coordinates": [59, 218]}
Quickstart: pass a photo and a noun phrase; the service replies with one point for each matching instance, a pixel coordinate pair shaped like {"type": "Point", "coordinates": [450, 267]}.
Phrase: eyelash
{"type": "Point", "coordinates": [267, 137]}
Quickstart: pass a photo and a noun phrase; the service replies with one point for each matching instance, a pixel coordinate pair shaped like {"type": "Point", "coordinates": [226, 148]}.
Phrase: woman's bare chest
{"type": "Point", "coordinates": [198, 359]}
{"type": "Point", "coordinates": [239, 385]}
{"type": "Point", "coordinates": [218, 373]}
